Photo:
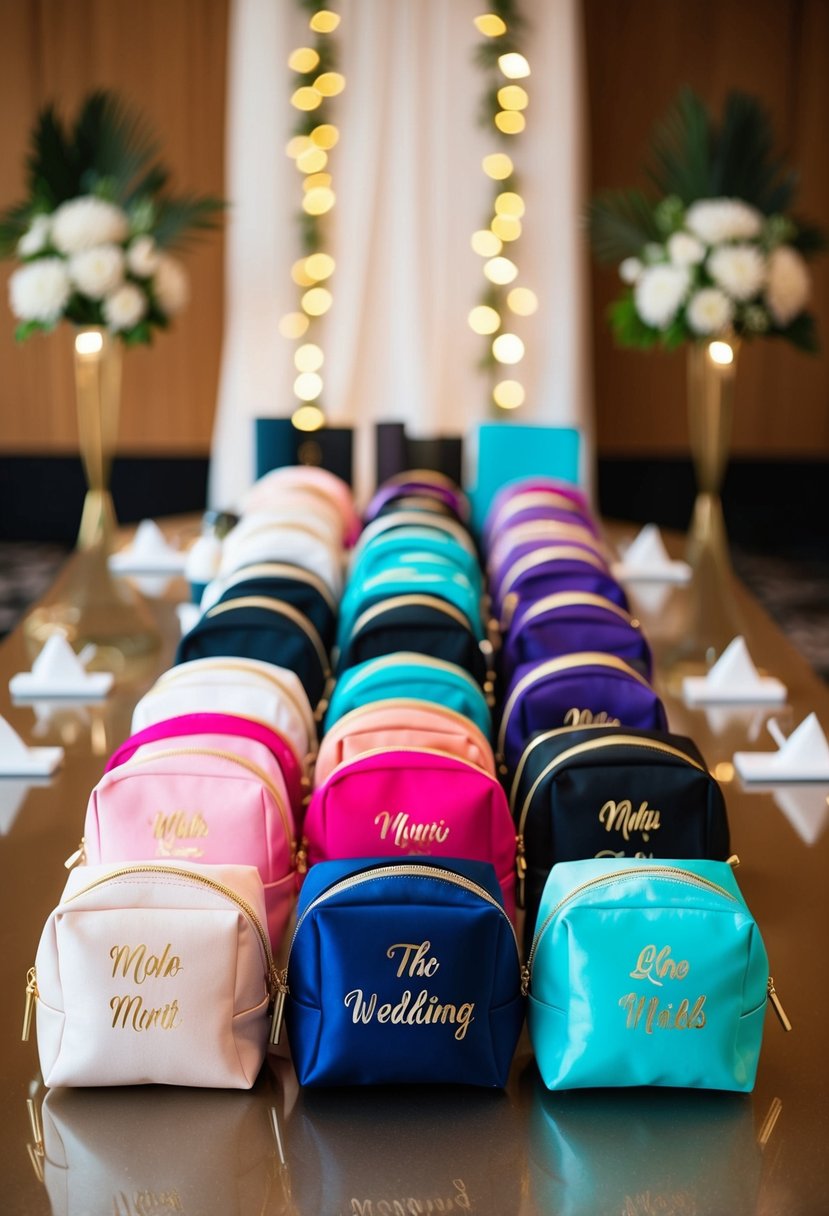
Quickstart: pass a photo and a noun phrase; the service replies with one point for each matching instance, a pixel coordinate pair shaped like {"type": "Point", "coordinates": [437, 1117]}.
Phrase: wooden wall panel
{"type": "Point", "coordinates": [639, 53]}
{"type": "Point", "coordinates": [167, 58]}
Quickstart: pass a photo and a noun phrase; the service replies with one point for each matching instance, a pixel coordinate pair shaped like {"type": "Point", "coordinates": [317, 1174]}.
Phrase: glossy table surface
{"type": "Point", "coordinates": [410, 1151]}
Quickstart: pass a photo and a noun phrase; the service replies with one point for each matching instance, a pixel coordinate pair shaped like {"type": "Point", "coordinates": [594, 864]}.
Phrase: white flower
{"type": "Point", "coordinates": [36, 238]}
{"type": "Point", "coordinates": [788, 286]}
{"type": "Point", "coordinates": [97, 272]}
{"type": "Point", "coordinates": [723, 219]}
{"type": "Point", "coordinates": [125, 307]}
{"type": "Point", "coordinates": [709, 311]}
{"type": "Point", "coordinates": [658, 293]}
{"type": "Point", "coordinates": [629, 270]}
{"type": "Point", "coordinates": [738, 269]}
{"type": "Point", "coordinates": [143, 257]}
{"type": "Point", "coordinates": [171, 285]}
{"type": "Point", "coordinates": [39, 291]}
{"type": "Point", "coordinates": [86, 222]}
{"type": "Point", "coordinates": [685, 250]}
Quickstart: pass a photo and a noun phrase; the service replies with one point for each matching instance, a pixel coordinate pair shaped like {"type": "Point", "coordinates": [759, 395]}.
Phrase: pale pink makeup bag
{"type": "Point", "coordinates": [155, 974]}
{"type": "Point", "coordinates": [411, 802]}
{"type": "Point", "coordinates": [404, 722]}
{"type": "Point", "coordinates": [203, 798]}
{"type": "Point", "coordinates": [269, 489]}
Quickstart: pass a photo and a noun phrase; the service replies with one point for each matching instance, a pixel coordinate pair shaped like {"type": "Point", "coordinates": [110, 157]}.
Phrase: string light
{"type": "Point", "coordinates": [506, 103]}
{"type": "Point", "coordinates": [310, 147]}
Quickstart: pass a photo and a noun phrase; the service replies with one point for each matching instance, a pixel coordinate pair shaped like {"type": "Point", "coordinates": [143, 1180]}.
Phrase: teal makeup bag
{"type": "Point", "coordinates": [647, 972]}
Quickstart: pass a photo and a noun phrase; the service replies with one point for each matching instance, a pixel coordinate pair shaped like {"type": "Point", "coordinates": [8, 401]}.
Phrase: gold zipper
{"type": "Point", "coordinates": [258, 772]}
{"type": "Point", "coordinates": [410, 749]}
{"type": "Point", "coordinates": [277, 524]}
{"type": "Point", "coordinates": [418, 660]}
{"type": "Point", "coordinates": [575, 599]}
{"type": "Point", "coordinates": [293, 614]}
{"type": "Point", "coordinates": [404, 519]}
{"type": "Point", "coordinates": [777, 1006]}
{"type": "Point", "coordinates": [587, 658]}
{"type": "Point", "coordinates": [430, 476]}
{"type": "Point", "coordinates": [554, 531]}
{"type": "Point", "coordinates": [411, 869]}
{"type": "Point", "coordinates": [31, 996]}
{"type": "Point", "coordinates": [469, 726]}
{"type": "Point", "coordinates": [413, 600]}
{"type": "Point", "coordinates": [279, 570]}
{"type": "Point", "coordinates": [179, 672]}
{"type": "Point", "coordinates": [550, 553]}
{"type": "Point", "coordinates": [533, 498]}
{"type": "Point", "coordinates": [578, 749]}
{"type": "Point", "coordinates": [674, 873]}
{"type": "Point", "coordinates": [542, 738]}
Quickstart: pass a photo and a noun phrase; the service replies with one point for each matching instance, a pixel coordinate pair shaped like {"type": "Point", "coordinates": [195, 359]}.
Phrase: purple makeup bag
{"type": "Point", "coordinates": [419, 484]}
{"type": "Point", "coordinates": [547, 570]}
{"type": "Point", "coordinates": [569, 621]}
{"type": "Point", "coordinates": [574, 690]}
{"type": "Point", "coordinates": [535, 491]}
{"type": "Point", "coordinates": [538, 533]}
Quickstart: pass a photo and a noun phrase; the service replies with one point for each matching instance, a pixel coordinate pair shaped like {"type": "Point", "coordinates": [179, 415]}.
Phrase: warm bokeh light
{"type": "Point", "coordinates": [308, 386]}
{"type": "Point", "coordinates": [313, 180]}
{"type": "Point", "coordinates": [308, 357]}
{"type": "Point", "coordinates": [490, 25]}
{"type": "Point", "coordinates": [293, 325]}
{"type": "Point", "coordinates": [513, 97]}
{"type": "Point", "coordinates": [509, 203]}
{"type": "Point", "coordinates": [486, 243]}
{"type": "Point", "coordinates": [300, 274]}
{"type": "Point", "coordinates": [510, 122]}
{"type": "Point", "coordinates": [483, 319]}
{"type": "Point", "coordinates": [318, 201]}
{"type": "Point", "coordinates": [324, 21]}
{"type": "Point", "coordinates": [508, 348]}
{"type": "Point", "coordinates": [319, 266]}
{"type": "Point", "coordinates": [308, 418]}
{"type": "Point", "coordinates": [500, 271]}
{"type": "Point", "coordinates": [497, 165]}
{"type": "Point", "coordinates": [311, 160]}
{"type": "Point", "coordinates": [724, 771]}
{"type": "Point", "coordinates": [330, 83]}
{"type": "Point", "coordinates": [506, 227]}
{"type": "Point", "coordinates": [316, 301]}
{"type": "Point", "coordinates": [325, 136]}
{"type": "Point", "coordinates": [297, 145]}
{"type": "Point", "coordinates": [513, 65]}
{"type": "Point", "coordinates": [721, 353]}
{"type": "Point", "coordinates": [303, 59]}
{"type": "Point", "coordinates": [508, 394]}
{"type": "Point", "coordinates": [89, 342]}
{"type": "Point", "coordinates": [522, 301]}
{"type": "Point", "coordinates": [306, 98]}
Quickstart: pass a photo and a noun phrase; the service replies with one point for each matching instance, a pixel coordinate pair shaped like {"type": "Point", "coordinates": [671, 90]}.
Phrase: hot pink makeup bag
{"type": "Point", "coordinates": [411, 802]}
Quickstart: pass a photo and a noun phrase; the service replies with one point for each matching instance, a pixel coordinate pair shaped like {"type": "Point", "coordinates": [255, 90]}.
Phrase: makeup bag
{"type": "Point", "coordinates": [311, 479]}
{"type": "Point", "coordinates": [422, 677]}
{"type": "Point", "coordinates": [609, 791]}
{"type": "Point", "coordinates": [568, 621]}
{"type": "Point", "coordinates": [402, 722]}
{"type": "Point", "coordinates": [403, 972]}
{"type": "Point", "coordinates": [259, 627]}
{"type": "Point", "coordinates": [423, 624]}
{"type": "Point", "coordinates": [204, 798]}
{"type": "Point", "coordinates": [574, 690]}
{"type": "Point", "coordinates": [549, 571]}
{"type": "Point", "coordinates": [383, 525]}
{"type": "Point", "coordinates": [435, 576]}
{"type": "Point", "coordinates": [407, 801]}
{"type": "Point", "coordinates": [515, 497]}
{"type": "Point", "coordinates": [407, 546]}
{"type": "Point", "coordinates": [647, 973]}
{"type": "Point", "coordinates": [304, 591]}
{"type": "Point", "coordinates": [230, 726]}
{"type": "Point", "coordinates": [296, 545]}
{"type": "Point", "coordinates": [520, 539]}
{"type": "Point", "coordinates": [154, 974]}
{"type": "Point", "coordinates": [419, 483]}
{"type": "Point", "coordinates": [245, 687]}
{"type": "Point", "coordinates": [298, 510]}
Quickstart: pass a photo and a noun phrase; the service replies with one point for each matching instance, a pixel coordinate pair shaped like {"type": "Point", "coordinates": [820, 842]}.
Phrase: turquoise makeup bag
{"type": "Point", "coordinates": [406, 546]}
{"type": "Point", "coordinates": [429, 576]}
{"type": "Point", "coordinates": [647, 972]}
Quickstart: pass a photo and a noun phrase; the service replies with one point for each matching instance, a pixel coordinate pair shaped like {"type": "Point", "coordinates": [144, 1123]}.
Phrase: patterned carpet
{"type": "Point", "coordinates": [794, 589]}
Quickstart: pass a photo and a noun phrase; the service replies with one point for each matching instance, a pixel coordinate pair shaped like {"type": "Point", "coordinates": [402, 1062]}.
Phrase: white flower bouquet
{"type": "Point", "coordinates": [95, 232]}
{"type": "Point", "coordinates": [714, 254]}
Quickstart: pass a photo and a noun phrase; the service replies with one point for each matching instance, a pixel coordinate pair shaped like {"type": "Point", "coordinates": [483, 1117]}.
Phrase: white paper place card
{"type": "Point", "coordinates": [149, 553]}
{"type": "Point", "coordinates": [733, 680]}
{"type": "Point", "coordinates": [804, 756]}
{"type": "Point", "coordinates": [18, 760]}
{"type": "Point", "coordinates": [647, 559]}
{"type": "Point", "coordinates": [59, 672]}
{"type": "Point", "coordinates": [806, 808]}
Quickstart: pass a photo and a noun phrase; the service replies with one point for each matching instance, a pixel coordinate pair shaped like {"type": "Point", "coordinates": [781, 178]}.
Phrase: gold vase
{"type": "Point", "coordinates": [713, 617]}
{"type": "Point", "coordinates": [88, 604]}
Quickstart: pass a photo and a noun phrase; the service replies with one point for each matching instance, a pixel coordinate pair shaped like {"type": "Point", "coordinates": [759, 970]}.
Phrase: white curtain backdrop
{"type": "Point", "coordinates": [410, 192]}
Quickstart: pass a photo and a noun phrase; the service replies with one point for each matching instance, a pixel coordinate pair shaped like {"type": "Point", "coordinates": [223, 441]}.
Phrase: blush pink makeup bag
{"type": "Point", "coordinates": [411, 802]}
{"type": "Point", "coordinates": [212, 799]}
{"type": "Point", "coordinates": [154, 974]}
{"type": "Point", "coordinates": [404, 722]}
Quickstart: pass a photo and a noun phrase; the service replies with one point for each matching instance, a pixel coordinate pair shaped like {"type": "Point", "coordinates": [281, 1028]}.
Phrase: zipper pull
{"type": "Point", "coordinates": [525, 979]}
{"type": "Point", "coordinates": [733, 861]}
{"type": "Point", "coordinates": [37, 1151]}
{"type": "Point", "coordinates": [31, 997]}
{"type": "Point", "coordinates": [280, 994]}
{"type": "Point", "coordinates": [778, 1008]}
{"type": "Point", "coordinates": [520, 869]}
{"type": "Point", "coordinates": [78, 857]}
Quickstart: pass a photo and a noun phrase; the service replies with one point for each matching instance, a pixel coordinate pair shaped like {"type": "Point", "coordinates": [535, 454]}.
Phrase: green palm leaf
{"type": "Point", "coordinates": [620, 223]}
{"type": "Point", "coordinates": [681, 150]}
{"type": "Point", "coordinates": [743, 164]}
{"type": "Point", "coordinates": [112, 145]}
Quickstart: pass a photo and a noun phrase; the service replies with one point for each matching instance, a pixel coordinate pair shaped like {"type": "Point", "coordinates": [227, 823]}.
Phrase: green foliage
{"type": "Point", "coordinates": [680, 161]}
{"type": "Point", "coordinates": [808, 238]}
{"type": "Point", "coordinates": [628, 327]}
{"type": "Point", "coordinates": [621, 223]}
{"type": "Point", "coordinates": [802, 333]}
